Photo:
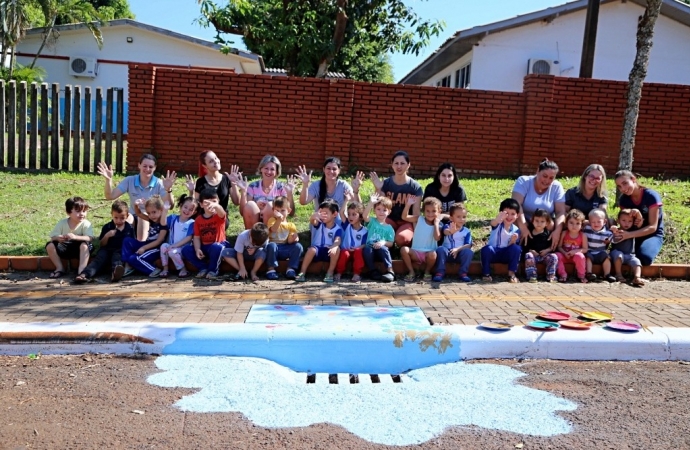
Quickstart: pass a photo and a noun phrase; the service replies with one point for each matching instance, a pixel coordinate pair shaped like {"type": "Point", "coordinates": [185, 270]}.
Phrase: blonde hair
{"type": "Point", "coordinates": [154, 202]}
{"type": "Point", "coordinates": [597, 213]}
{"type": "Point", "coordinates": [601, 189]}
{"type": "Point", "coordinates": [267, 160]}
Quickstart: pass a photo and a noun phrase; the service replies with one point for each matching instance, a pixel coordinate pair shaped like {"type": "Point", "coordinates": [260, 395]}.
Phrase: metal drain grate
{"type": "Point", "coordinates": [352, 378]}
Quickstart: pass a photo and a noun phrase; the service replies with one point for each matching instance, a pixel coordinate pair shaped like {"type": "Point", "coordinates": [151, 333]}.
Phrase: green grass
{"type": "Point", "coordinates": [34, 202]}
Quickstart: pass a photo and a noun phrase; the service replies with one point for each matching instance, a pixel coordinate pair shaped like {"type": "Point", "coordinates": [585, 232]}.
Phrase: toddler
{"type": "Point", "coordinates": [354, 241]}
{"type": "Point", "coordinates": [181, 232]}
{"type": "Point", "coordinates": [623, 251]}
{"type": "Point", "coordinates": [572, 246]}
{"type": "Point", "coordinates": [457, 244]}
{"type": "Point", "coordinates": [283, 241]}
{"type": "Point", "coordinates": [598, 239]}
{"type": "Point", "coordinates": [326, 237]}
{"type": "Point", "coordinates": [538, 247]}
{"type": "Point", "coordinates": [249, 246]}
{"type": "Point", "coordinates": [139, 255]}
{"type": "Point", "coordinates": [502, 246]}
{"type": "Point", "coordinates": [425, 239]}
{"type": "Point", "coordinates": [209, 239]}
{"type": "Point", "coordinates": [380, 235]}
{"type": "Point", "coordinates": [71, 238]}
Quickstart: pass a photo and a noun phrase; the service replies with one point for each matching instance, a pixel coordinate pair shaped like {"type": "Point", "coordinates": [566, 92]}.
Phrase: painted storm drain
{"type": "Point", "coordinates": [484, 395]}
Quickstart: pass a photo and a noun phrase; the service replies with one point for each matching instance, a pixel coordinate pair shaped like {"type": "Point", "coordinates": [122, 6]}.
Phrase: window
{"type": "Point", "coordinates": [462, 77]}
{"type": "Point", "coordinates": [444, 82]}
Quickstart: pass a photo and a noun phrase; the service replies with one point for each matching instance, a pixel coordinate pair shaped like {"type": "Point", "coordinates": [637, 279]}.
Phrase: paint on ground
{"type": "Point", "coordinates": [314, 315]}
{"type": "Point", "coordinates": [428, 401]}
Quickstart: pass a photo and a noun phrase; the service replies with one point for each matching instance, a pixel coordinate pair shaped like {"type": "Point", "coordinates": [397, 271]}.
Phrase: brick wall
{"type": "Point", "coordinates": [177, 113]}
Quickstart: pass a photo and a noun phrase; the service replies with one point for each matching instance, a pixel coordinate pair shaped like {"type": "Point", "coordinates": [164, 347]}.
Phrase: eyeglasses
{"type": "Point", "coordinates": [594, 177]}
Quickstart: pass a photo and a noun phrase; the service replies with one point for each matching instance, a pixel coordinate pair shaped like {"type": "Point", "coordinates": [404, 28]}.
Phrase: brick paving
{"type": "Point", "coordinates": [32, 297]}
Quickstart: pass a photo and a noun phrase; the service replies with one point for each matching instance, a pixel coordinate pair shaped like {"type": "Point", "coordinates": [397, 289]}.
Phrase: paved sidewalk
{"type": "Point", "coordinates": [32, 297]}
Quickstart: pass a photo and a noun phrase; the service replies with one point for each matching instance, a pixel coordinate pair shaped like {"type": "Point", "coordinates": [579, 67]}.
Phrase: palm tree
{"type": "Point", "coordinates": [15, 20]}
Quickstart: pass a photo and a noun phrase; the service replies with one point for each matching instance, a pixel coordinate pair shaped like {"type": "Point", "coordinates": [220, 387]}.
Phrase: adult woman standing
{"type": "Point", "coordinates": [399, 187]}
{"type": "Point", "coordinates": [256, 198]}
{"type": "Point", "coordinates": [650, 235]}
{"type": "Point", "coordinates": [329, 186]}
{"type": "Point", "coordinates": [141, 186]}
{"type": "Point", "coordinates": [541, 191]}
{"type": "Point", "coordinates": [446, 187]}
{"type": "Point", "coordinates": [223, 183]}
{"type": "Point", "coordinates": [590, 193]}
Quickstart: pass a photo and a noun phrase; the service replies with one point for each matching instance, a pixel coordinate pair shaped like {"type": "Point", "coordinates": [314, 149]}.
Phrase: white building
{"type": "Point", "coordinates": [499, 55]}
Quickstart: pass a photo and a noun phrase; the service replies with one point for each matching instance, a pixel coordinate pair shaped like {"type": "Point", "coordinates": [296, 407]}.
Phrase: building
{"type": "Point", "coordinates": [497, 56]}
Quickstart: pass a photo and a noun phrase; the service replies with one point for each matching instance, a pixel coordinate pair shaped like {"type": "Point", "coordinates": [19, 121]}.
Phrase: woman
{"type": "Point", "coordinates": [256, 198]}
{"type": "Point", "coordinates": [650, 235]}
{"type": "Point", "coordinates": [399, 188]}
{"type": "Point", "coordinates": [541, 191]}
{"type": "Point", "coordinates": [141, 186]}
{"type": "Point", "coordinates": [329, 186]}
{"type": "Point", "coordinates": [446, 187]}
{"type": "Point", "coordinates": [590, 193]}
{"type": "Point", "coordinates": [223, 183]}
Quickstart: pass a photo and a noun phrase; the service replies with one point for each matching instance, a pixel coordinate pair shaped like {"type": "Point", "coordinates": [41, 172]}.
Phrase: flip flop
{"type": "Point", "coordinates": [81, 279]}
{"type": "Point", "coordinates": [57, 274]}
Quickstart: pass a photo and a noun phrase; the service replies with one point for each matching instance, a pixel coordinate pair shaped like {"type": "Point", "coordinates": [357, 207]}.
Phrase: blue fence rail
{"type": "Point", "coordinates": [46, 127]}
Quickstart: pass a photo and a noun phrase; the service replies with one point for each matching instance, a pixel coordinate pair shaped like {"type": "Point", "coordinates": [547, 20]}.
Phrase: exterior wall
{"type": "Point", "coordinates": [450, 70]}
{"type": "Point", "coordinates": [177, 113]}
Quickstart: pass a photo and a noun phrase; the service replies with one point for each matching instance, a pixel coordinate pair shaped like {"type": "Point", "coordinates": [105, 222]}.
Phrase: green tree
{"type": "Point", "coordinates": [107, 10]}
{"type": "Point", "coordinates": [309, 38]}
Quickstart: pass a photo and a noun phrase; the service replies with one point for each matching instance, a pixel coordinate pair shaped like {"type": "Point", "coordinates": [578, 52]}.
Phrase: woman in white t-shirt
{"type": "Point", "coordinates": [541, 191]}
{"type": "Point", "coordinates": [329, 186]}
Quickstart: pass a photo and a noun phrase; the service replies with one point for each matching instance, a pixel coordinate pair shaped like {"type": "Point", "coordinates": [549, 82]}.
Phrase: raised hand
{"type": "Point", "coordinates": [189, 183]}
{"type": "Point", "coordinates": [291, 183]}
{"type": "Point", "coordinates": [411, 200]}
{"type": "Point", "coordinates": [348, 196]}
{"type": "Point", "coordinates": [105, 170]}
{"type": "Point", "coordinates": [378, 184]}
{"type": "Point", "coordinates": [234, 174]}
{"type": "Point", "coordinates": [242, 183]}
{"type": "Point", "coordinates": [140, 203]}
{"type": "Point", "coordinates": [453, 228]}
{"type": "Point", "coordinates": [304, 175]}
{"type": "Point", "coordinates": [357, 180]}
{"type": "Point", "coordinates": [374, 198]}
{"type": "Point", "coordinates": [169, 180]}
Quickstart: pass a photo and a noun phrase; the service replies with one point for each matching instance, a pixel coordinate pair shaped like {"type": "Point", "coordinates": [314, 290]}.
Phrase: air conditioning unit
{"type": "Point", "coordinates": [543, 67]}
{"type": "Point", "coordinates": [80, 66]}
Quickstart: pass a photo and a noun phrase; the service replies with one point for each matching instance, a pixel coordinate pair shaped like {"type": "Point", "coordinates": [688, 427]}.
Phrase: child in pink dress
{"type": "Point", "coordinates": [573, 246]}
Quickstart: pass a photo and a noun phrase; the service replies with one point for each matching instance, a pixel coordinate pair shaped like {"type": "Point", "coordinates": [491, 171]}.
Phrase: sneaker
{"type": "Point", "coordinates": [271, 275]}
{"type": "Point", "coordinates": [201, 274]}
{"type": "Point", "coordinates": [118, 273]}
{"type": "Point", "coordinates": [375, 275]}
{"type": "Point", "coordinates": [610, 278]}
{"type": "Point", "coordinates": [356, 278]}
{"type": "Point", "coordinates": [128, 271]}
{"type": "Point", "coordinates": [532, 279]}
{"type": "Point", "coordinates": [155, 273]}
{"type": "Point", "coordinates": [212, 276]}
{"type": "Point", "coordinates": [590, 277]}
{"type": "Point", "coordinates": [300, 278]}
{"type": "Point", "coordinates": [437, 278]}
{"type": "Point", "coordinates": [328, 279]}
{"type": "Point", "coordinates": [337, 277]}
{"type": "Point", "coordinates": [290, 274]}
{"type": "Point", "coordinates": [388, 277]}
{"type": "Point", "coordinates": [464, 278]}
{"type": "Point", "coordinates": [552, 279]}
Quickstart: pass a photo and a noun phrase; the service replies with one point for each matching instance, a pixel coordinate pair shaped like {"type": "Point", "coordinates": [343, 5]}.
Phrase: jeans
{"type": "Point", "coordinates": [281, 252]}
{"type": "Point", "coordinates": [103, 255]}
{"type": "Point", "coordinates": [507, 255]}
{"type": "Point", "coordinates": [144, 262]}
{"type": "Point", "coordinates": [463, 257]}
{"type": "Point", "coordinates": [647, 247]}
{"type": "Point", "coordinates": [369, 254]}
{"type": "Point", "coordinates": [213, 256]}
{"type": "Point", "coordinates": [259, 253]}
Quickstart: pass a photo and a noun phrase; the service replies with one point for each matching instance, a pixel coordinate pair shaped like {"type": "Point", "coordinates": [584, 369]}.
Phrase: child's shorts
{"type": "Point", "coordinates": [259, 253]}
{"type": "Point", "coordinates": [598, 257]}
{"type": "Point", "coordinates": [322, 254]}
{"type": "Point", "coordinates": [627, 258]}
{"type": "Point", "coordinates": [420, 255]}
{"type": "Point", "coordinates": [69, 250]}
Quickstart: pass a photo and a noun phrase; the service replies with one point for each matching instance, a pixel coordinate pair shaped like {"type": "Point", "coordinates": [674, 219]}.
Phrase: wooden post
{"type": "Point", "coordinates": [590, 39]}
{"type": "Point", "coordinates": [21, 160]}
{"type": "Point", "coordinates": [76, 149]}
{"type": "Point", "coordinates": [67, 127]}
{"type": "Point", "coordinates": [2, 123]}
{"type": "Point", "coordinates": [11, 123]}
{"type": "Point", "coordinates": [109, 126]}
{"type": "Point", "coordinates": [33, 133]}
{"type": "Point", "coordinates": [87, 130]}
{"type": "Point", "coordinates": [98, 128]}
{"type": "Point", "coordinates": [44, 126]}
{"type": "Point", "coordinates": [55, 127]}
{"type": "Point", "coordinates": [119, 153]}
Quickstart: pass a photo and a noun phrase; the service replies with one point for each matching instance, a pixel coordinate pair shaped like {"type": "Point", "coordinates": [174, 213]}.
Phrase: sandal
{"type": "Point", "coordinates": [183, 273]}
{"type": "Point", "coordinates": [563, 279]}
{"type": "Point", "coordinates": [212, 276]}
{"type": "Point", "coordinates": [57, 274]}
{"type": "Point", "coordinates": [328, 279]}
{"type": "Point", "coordinates": [514, 279]}
{"type": "Point", "coordinates": [201, 274]}
{"type": "Point", "coordinates": [637, 281]}
{"type": "Point", "coordinates": [118, 273]}
{"type": "Point", "coordinates": [81, 278]}
{"type": "Point", "coordinates": [620, 278]}
{"type": "Point", "coordinates": [583, 280]}
{"type": "Point", "coordinates": [409, 278]}
{"type": "Point", "coordinates": [487, 279]}
{"type": "Point", "coordinates": [427, 277]}
{"type": "Point", "coordinates": [163, 274]}
{"type": "Point", "coordinates": [356, 278]}
{"type": "Point", "coordinates": [155, 273]}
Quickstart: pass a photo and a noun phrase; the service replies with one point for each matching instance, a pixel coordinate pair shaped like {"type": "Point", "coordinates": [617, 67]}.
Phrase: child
{"type": "Point", "coordinates": [181, 227]}
{"type": "Point", "coordinates": [249, 246]}
{"type": "Point", "coordinates": [457, 244]}
{"type": "Point", "coordinates": [112, 236]}
{"type": "Point", "coordinates": [354, 240]}
{"type": "Point", "coordinates": [71, 237]}
{"type": "Point", "coordinates": [598, 239]}
{"type": "Point", "coordinates": [380, 236]}
{"type": "Point", "coordinates": [623, 251]}
{"type": "Point", "coordinates": [572, 246]}
{"type": "Point", "coordinates": [209, 236]}
{"type": "Point", "coordinates": [502, 246]}
{"type": "Point", "coordinates": [283, 241]}
{"type": "Point", "coordinates": [326, 237]}
{"type": "Point", "coordinates": [142, 255]}
{"type": "Point", "coordinates": [538, 247]}
{"type": "Point", "coordinates": [425, 238]}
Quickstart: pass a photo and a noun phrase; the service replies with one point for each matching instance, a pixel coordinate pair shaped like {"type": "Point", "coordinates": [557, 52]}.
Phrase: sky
{"type": "Point", "coordinates": [179, 15]}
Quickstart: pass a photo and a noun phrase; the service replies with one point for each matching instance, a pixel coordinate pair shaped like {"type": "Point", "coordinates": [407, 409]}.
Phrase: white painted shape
{"type": "Point", "coordinates": [344, 378]}
{"type": "Point", "coordinates": [321, 379]}
{"type": "Point", "coordinates": [364, 378]}
{"type": "Point", "coordinates": [385, 378]}
{"type": "Point", "coordinates": [678, 341]}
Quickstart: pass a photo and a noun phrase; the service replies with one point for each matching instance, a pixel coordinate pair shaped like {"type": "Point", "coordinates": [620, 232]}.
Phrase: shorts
{"type": "Point", "coordinates": [598, 257]}
{"type": "Point", "coordinates": [69, 250]}
{"type": "Point", "coordinates": [421, 256]}
{"type": "Point", "coordinates": [627, 258]}
{"type": "Point", "coordinates": [322, 254]}
{"type": "Point", "coordinates": [259, 253]}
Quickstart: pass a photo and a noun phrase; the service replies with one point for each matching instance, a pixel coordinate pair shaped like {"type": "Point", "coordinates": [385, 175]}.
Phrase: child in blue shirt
{"type": "Point", "coordinates": [457, 244]}
{"type": "Point", "coordinates": [354, 241]}
{"type": "Point", "coordinates": [425, 239]}
{"type": "Point", "coordinates": [502, 246]}
{"type": "Point", "coordinates": [326, 237]}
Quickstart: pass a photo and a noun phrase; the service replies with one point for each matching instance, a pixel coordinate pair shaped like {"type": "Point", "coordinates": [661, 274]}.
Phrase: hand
{"type": "Point", "coordinates": [61, 238]}
{"type": "Point", "coordinates": [332, 251]}
{"type": "Point", "coordinates": [374, 198]}
{"type": "Point", "coordinates": [140, 251]}
{"type": "Point", "coordinates": [234, 174]}
{"type": "Point", "coordinates": [348, 197]}
{"type": "Point", "coordinates": [242, 183]}
{"type": "Point", "coordinates": [70, 236]}
{"type": "Point", "coordinates": [110, 233]}
{"type": "Point", "coordinates": [554, 241]}
{"type": "Point", "coordinates": [209, 204]}
{"type": "Point", "coordinates": [189, 183]}
{"type": "Point", "coordinates": [291, 183]}
{"type": "Point", "coordinates": [453, 228]}
{"type": "Point", "coordinates": [261, 204]}
{"type": "Point", "coordinates": [242, 272]}
{"type": "Point", "coordinates": [411, 200]}
{"type": "Point", "coordinates": [378, 184]}
{"type": "Point", "coordinates": [167, 206]}
{"type": "Point", "coordinates": [169, 180]}
{"type": "Point", "coordinates": [513, 238]}
{"type": "Point", "coordinates": [544, 252]}
{"type": "Point", "coordinates": [357, 180]}
{"type": "Point", "coordinates": [105, 170]}
{"type": "Point", "coordinates": [140, 203]}
{"type": "Point", "coordinates": [378, 245]}
{"type": "Point", "coordinates": [454, 252]}
{"type": "Point", "coordinates": [638, 220]}
{"type": "Point", "coordinates": [524, 232]}
{"type": "Point", "coordinates": [200, 254]}
{"type": "Point", "coordinates": [501, 216]}
{"type": "Point", "coordinates": [304, 176]}
{"type": "Point", "coordinates": [278, 216]}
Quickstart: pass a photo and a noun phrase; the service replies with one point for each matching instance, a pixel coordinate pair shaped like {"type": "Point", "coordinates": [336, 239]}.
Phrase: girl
{"type": "Point", "coordinates": [141, 255]}
{"type": "Point", "coordinates": [354, 240]}
{"type": "Point", "coordinates": [329, 186]}
{"type": "Point", "coordinates": [572, 246]}
{"type": "Point", "coordinates": [256, 198]}
{"type": "Point", "coordinates": [538, 248]}
{"type": "Point", "coordinates": [181, 229]}
{"type": "Point", "coordinates": [425, 239]}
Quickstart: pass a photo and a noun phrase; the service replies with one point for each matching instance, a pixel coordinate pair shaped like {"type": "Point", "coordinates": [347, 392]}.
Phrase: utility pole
{"type": "Point", "coordinates": [590, 39]}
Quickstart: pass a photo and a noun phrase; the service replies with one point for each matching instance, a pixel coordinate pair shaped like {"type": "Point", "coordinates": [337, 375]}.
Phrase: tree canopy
{"type": "Point", "coordinates": [310, 38]}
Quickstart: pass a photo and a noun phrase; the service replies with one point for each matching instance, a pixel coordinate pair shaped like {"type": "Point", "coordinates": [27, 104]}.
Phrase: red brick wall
{"type": "Point", "coordinates": [177, 113]}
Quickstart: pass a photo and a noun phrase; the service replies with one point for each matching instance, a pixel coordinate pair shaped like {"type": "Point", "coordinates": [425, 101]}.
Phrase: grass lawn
{"type": "Point", "coordinates": [33, 203]}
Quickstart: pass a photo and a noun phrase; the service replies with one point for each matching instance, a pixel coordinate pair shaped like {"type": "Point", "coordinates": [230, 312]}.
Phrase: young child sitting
{"type": "Point", "coordinates": [354, 241]}
{"type": "Point", "coordinates": [572, 246]}
{"type": "Point", "coordinates": [598, 239]}
{"type": "Point", "coordinates": [111, 238]}
{"type": "Point", "coordinates": [209, 239]}
{"type": "Point", "coordinates": [326, 237]}
{"type": "Point", "coordinates": [283, 241]}
{"type": "Point", "coordinates": [538, 247]}
{"type": "Point", "coordinates": [181, 233]}
{"type": "Point", "coordinates": [71, 238]}
{"type": "Point", "coordinates": [623, 250]}
{"type": "Point", "coordinates": [249, 246]}
{"type": "Point", "coordinates": [139, 255]}
{"type": "Point", "coordinates": [380, 235]}
{"type": "Point", "coordinates": [502, 246]}
{"type": "Point", "coordinates": [457, 244]}
{"type": "Point", "coordinates": [425, 239]}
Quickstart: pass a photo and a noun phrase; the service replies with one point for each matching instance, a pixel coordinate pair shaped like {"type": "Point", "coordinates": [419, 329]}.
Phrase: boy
{"type": "Point", "coordinates": [623, 251]}
{"type": "Point", "coordinates": [250, 246]}
{"type": "Point", "coordinates": [326, 237]}
{"type": "Point", "coordinates": [209, 236]}
{"type": "Point", "coordinates": [112, 235]}
{"type": "Point", "coordinates": [283, 243]}
{"type": "Point", "coordinates": [457, 244]}
{"type": "Point", "coordinates": [502, 247]}
{"type": "Point", "coordinates": [380, 238]}
{"type": "Point", "coordinates": [71, 237]}
{"type": "Point", "coordinates": [598, 239]}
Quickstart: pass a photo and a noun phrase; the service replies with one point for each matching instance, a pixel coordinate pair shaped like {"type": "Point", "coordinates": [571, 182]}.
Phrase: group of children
{"type": "Point", "coordinates": [339, 235]}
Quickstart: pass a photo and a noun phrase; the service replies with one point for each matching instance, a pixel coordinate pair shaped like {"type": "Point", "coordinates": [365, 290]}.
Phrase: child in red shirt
{"type": "Point", "coordinates": [209, 236]}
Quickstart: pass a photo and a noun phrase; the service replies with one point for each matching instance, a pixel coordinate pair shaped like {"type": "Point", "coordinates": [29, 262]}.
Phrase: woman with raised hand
{"type": "Point", "coordinates": [141, 186]}
{"type": "Point", "coordinates": [399, 187]}
{"type": "Point", "coordinates": [541, 191]}
{"type": "Point", "coordinates": [329, 186]}
{"type": "Point", "coordinates": [256, 198]}
{"type": "Point", "coordinates": [446, 187]}
{"type": "Point", "coordinates": [223, 183]}
{"type": "Point", "coordinates": [590, 193]}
